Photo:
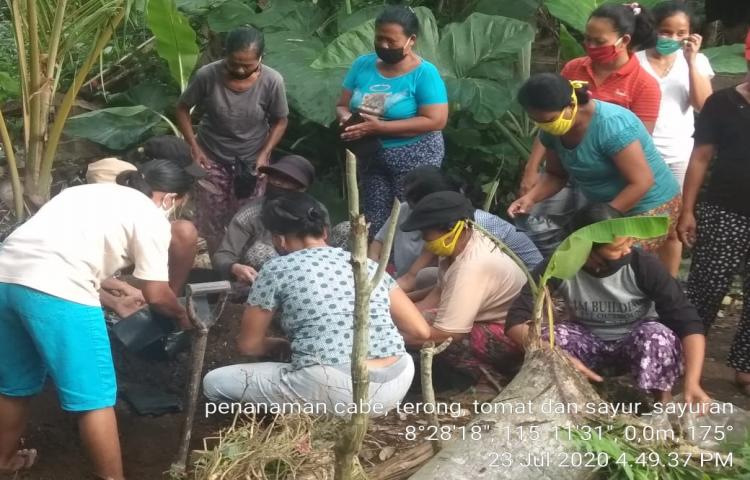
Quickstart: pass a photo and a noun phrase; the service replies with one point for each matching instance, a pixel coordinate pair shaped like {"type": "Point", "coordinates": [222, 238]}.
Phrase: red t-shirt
{"type": "Point", "coordinates": [630, 87]}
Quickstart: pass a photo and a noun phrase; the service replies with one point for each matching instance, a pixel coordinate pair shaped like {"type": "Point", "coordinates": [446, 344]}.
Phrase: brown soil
{"type": "Point", "coordinates": [149, 443]}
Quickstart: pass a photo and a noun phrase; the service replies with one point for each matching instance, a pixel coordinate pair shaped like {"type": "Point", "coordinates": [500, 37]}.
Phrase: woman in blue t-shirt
{"type": "Point", "coordinates": [602, 147]}
{"type": "Point", "coordinates": [309, 288]}
{"type": "Point", "coordinates": [399, 101]}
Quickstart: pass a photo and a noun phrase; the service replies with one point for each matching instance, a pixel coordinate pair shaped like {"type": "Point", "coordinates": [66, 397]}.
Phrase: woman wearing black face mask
{"type": "Point", "coordinates": [399, 99]}
{"type": "Point", "coordinates": [244, 115]}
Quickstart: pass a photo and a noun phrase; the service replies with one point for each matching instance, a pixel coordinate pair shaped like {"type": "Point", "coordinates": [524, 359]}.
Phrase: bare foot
{"type": "Point", "coordinates": [22, 460]}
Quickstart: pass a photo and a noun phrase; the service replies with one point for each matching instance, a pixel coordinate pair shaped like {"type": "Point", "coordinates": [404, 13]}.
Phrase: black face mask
{"type": "Point", "coordinates": [245, 75]}
{"type": "Point", "coordinates": [390, 55]}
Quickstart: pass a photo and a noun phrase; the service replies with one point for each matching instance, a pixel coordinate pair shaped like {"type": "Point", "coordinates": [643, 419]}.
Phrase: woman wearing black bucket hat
{"type": "Point", "coordinates": [477, 284]}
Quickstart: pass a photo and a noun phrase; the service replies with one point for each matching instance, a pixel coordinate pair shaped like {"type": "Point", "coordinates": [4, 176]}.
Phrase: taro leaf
{"type": "Point", "coordinates": [290, 16]}
{"type": "Point", "coordinates": [156, 96]}
{"type": "Point", "coordinates": [477, 59]}
{"type": "Point", "coordinates": [345, 48]}
{"type": "Point", "coordinates": [519, 9]}
{"type": "Point", "coordinates": [117, 128]}
{"type": "Point", "coordinates": [195, 7]}
{"type": "Point", "coordinates": [572, 253]}
{"type": "Point", "coordinates": [569, 46]}
{"type": "Point", "coordinates": [230, 15]}
{"type": "Point", "coordinates": [311, 93]}
{"type": "Point", "coordinates": [727, 59]}
{"type": "Point", "coordinates": [9, 86]}
{"type": "Point", "coordinates": [576, 12]}
{"type": "Point", "coordinates": [358, 17]}
{"type": "Point", "coordinates": [175, 39]}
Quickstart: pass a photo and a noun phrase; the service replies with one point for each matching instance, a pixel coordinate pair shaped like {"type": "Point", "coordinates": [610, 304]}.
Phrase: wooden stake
{"type": "Point", "coordinates": [429, 350]}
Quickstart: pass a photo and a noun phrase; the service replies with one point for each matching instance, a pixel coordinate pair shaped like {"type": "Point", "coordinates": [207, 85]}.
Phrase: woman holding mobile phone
{"type": "Point", "coordinates": [397, 98]}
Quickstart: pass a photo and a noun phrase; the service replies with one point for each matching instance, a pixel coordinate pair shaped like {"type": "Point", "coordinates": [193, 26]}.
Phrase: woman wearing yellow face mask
{"type": "Point", "coordinates": [602, 147]}
{"type": "Point", "coordinates": [476, 285]}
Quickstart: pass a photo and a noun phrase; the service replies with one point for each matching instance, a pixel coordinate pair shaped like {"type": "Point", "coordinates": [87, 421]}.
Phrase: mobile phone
{"type": "Point", "coordinates": [353, 119]}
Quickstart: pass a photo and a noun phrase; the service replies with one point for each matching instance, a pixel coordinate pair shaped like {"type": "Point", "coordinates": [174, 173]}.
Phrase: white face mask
{"type": "Point", "coordinates": [168, 211]}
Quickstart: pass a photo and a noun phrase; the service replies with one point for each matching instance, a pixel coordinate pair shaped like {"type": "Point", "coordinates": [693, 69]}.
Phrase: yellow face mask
{"type": "Point", "coordinates": [561, 125]}
{"type": "Point", "coordinates": [444, 245]}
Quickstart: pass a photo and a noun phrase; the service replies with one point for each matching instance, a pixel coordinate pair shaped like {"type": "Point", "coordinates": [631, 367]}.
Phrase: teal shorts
{"type": "Point", "coordinates": [42, 334]}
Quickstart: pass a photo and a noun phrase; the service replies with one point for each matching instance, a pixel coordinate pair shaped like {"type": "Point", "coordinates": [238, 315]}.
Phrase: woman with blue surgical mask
{"type": "Point", "coordinates": [684, 76]}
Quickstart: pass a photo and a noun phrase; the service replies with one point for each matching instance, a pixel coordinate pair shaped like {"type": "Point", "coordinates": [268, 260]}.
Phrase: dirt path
{"type": "Point", "coordinates": [150, 443]}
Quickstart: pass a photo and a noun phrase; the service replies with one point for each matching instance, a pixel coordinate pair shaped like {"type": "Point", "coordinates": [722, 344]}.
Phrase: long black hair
{"type": "Point", "coordinates": [157, 176]}
{"type": "Point", "coordinates": [625, 21]}
{"type": "Point", "coordinates": [297, 214]}
{"type": "Point", "coordinates": [243, 38]}
{"type": "Point", "coordinates": [664, 10]}
{"type": "Point", "coordinates": [593, 213]}
{"type": "Point", "coordinates": [399, 15]}
{"type": "Point", "coordinates": [550, 92]}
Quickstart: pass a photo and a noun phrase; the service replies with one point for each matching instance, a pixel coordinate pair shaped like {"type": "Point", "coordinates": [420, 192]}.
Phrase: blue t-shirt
{"type": "Point", "coordinates": [394, 98]}
{"type": "Point", "coordinates": [590, 164]}
{"type": "Point", "coordinates": [313, 292]}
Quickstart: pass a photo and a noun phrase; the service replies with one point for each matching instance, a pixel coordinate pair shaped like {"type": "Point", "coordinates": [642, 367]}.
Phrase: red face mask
{"type": "Point", "coordinates": [604, 54]}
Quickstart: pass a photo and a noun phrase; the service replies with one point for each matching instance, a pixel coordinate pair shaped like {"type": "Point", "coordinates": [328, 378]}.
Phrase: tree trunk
{"type": "Point", "coordinates": [519, 429]}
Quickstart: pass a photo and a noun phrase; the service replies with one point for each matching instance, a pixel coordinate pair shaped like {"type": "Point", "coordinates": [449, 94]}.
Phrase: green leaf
{"type": "Point", "coordinates": [175, 39]}
{"type": "Point", "coordinates": [576, 12]}
{"type": "Point", "coordinates": [569, 46]}
{"type": "Point", "coordinates": [194, 7]}
{"type": "Point", "coordinates": [479, 59]}
{"type": "Point", "coordinates": [291, 16]}
{"type": "Point", "coordinates": [9, 87]}
{"type": "Point", "coordinates": [312, 93]}
{"type": "Point", "coordinates": [572, 253]}
{"type": "Point", "coordinates": [727, 59]}
{"type": "Point", "coordinates": [117, 128]}
{"type": "Point", "coordinates": [230, 15]}
{"type": "Point", "coordinates": [358, 17]}
{"type": "Point", "coordinates": [345, 48]}
{"type": "Point", "coordinates": [519, 9]}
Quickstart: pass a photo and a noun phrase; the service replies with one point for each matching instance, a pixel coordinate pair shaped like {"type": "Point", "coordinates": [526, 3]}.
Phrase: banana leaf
{"type": "Point", "coordinates": [573, 252]}
{"type": "Point", "coordinates": [175, 39]}
{"type": "Point", "coordinates": [569, 46]}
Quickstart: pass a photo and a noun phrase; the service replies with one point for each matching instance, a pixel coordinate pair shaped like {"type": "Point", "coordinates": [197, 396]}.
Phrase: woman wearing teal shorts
{"type": "Point", "coordinates": [51, 321]}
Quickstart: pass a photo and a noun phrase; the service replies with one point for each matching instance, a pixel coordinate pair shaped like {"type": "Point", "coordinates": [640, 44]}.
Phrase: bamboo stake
{"type": "Point", "coordinates": [15, 180]}
{"type": "Point", "coordinates": [350, 441]}
{"type": "Point", "coordinates": [45, 175]}
{"type": "Point", "coordinates": [428, 351]}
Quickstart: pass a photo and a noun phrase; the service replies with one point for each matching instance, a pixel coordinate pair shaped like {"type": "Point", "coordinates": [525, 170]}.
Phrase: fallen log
{"type": "Point", "coordinates": [403, 464]}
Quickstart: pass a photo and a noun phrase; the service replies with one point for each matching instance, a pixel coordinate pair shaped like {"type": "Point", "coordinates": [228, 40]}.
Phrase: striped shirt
{"type": "Point", "coordinates": [630, 87]}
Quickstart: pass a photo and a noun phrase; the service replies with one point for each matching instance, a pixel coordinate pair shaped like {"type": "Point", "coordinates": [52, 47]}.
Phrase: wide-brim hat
{"type": "Point", "coordinates": [296, 167]}
{"type": "Point", "coordinates": [437, 210]}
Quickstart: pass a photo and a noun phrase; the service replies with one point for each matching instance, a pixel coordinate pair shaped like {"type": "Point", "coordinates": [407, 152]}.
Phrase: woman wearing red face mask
{"type": "Point", "coordinates": [613, 75]}
{"type": "Point", "coordinates": [392, 108]}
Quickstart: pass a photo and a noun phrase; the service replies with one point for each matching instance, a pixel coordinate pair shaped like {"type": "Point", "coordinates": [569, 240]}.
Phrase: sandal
{"type": "Point", "coordinates": [23, 460]}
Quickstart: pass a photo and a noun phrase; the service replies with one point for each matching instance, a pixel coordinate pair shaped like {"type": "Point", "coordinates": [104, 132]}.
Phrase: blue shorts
{"type": "Point", "coordinates": [41, 334]}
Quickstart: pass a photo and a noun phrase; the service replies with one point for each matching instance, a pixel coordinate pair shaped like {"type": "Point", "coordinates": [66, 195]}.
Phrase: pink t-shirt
{"type": "Point", "coordinates": [478, 286]}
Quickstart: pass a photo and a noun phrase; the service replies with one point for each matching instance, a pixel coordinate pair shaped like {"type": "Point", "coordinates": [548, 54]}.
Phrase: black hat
{"type": "Point", "coordinates": [169, 147]}
{"type": "Point", "coordinates": [295, 167]}
{"type": "Point", "coordinates": [438, 209]}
